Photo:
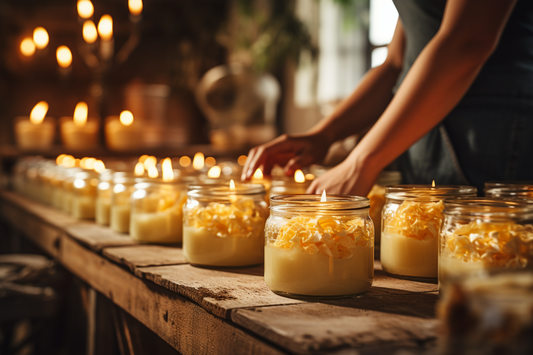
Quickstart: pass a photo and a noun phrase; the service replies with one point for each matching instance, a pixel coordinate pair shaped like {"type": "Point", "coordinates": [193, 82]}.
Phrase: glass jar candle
{"type": "Point", "coordinates": [317, 248]}
{"type": "Point", "coordinates": [123, 187]}
{"type": "Point", "coordinates": [484, 233]}
{"type": "Point", "coordinates": [411, 221]}
{"type": "Point", "coordinates": [83, 201]}
{"type": "Point", "coordinates": [103, 197]}
{"type": "Point", "coordinates": [518, 189]}
{"type": "Point", "coordinates": [224, 226]}
{"type": "Point", "coordinates": [157, 210]}
{"type": "Point", "coordinates": [288, 186]}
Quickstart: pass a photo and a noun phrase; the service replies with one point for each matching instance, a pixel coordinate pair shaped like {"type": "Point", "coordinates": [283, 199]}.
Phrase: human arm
{"type": "Point", "coordinates": [354, 115]}
{"type": "Point", "coordinates": [438, 79]}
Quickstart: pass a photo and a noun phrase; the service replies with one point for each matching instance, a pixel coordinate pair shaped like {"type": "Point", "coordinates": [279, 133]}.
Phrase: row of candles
{"type": "Point", "coordinates": [311, 245]}
{"type": "Point", "coordinates": [79, 132]}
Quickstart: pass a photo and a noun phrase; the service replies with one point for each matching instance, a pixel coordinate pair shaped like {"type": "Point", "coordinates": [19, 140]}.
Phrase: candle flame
{"type": "Point", "coordinates": [299, 176]}
{"type": "Point", "coordinates": [309, 177]}
{"type": "Point", "coordinates": [139, 169]}
{"type": "Point", "coordinates": [105, 28]}
{"type": "Point", "coordinates": [185, 161]}
{"type": "Point", "coordinates": [142, 158]}
{"type": "Point", "coordinates": [40, 37]}
{"type": "Point", "coordinates": [242, 160]}
{"type": "Point", "coordinates": [64, 56]}
{"type": "Point", "coordinates": [323, 198]}
{"type": "Point", "coordinates": [80, 114]}
{"type": "Point", "coordinates": [60, 158]}
{"type": "Point", "coordinates": [258, 175]}
{"type": "Point", "coordinates": [232, 185]}
{"type": "Point", "coordinates": [210, 161]}
{"type": "Point", "coordinates": [126, 118]}
{"type": "Point", "coordinates": [152, 171]}
{"type": "Point", "coordinates": [39, 112]}
{"type": "Point", "coordinates": [27, 47]}
{"type": "Point", "coordinates": [150, 161]}
{"type": "Point", "coordinates": [433, 183]}
{"type": "Point", "coordinates": [135, 6]}
{"type": "Point", "coordinates": [198, 161]}
{"type": "Point", "coordinates": [89, 163]}
{"type": "Point", "coordinates": [168, 173]}
{"type": "Point", "coordinates": [85, 8]}
{"type": "Point", "coordinates": [68, 161]}
{"type": "Point", "coordinates": [90, 35]}
{"type": "Point", "coordinates": [99, 166]}
{"type": "Point", "coordinates": [214, 172]}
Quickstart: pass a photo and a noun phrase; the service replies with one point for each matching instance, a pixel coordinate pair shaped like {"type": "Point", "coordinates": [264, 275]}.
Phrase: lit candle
{"type": "Point", "coordinates": [258, 178]}
{"type": "Point", "coordinates": [90, 35]}
{"type": "Point", "coordinates": [85, 9]}
{"type": "Point", "coordinates": [27, 47]}
{"type": "Point", "coordinates": [156, 215]}
{"type": "Point", "coordinates": [135, 6]}
{"type": "Point", "coordinates": [198, 162]}
{"type": "Point", "coordinates": [80, 132]}
{"type": "Point", "coordinates": [83, 202]}
{"type": "Point", "coordinates": [124, 132]}
{"type": "Point", "coordinates": [64, 56]}
{"type": "Point", "coordinates": [296, 186]}
{"type": "Point", "coordinates": [40, 37]}
{"type": "Point", "coordinates": [37, 131]}
{"type": "Point", "coordinates": [105, 30]}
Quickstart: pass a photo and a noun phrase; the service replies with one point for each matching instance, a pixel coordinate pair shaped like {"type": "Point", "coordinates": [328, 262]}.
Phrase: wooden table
{"type": "Point", "coordinates": [205, 311]}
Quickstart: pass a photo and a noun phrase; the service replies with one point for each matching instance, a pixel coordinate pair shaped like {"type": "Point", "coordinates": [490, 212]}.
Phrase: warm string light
{"type": "Point", "coordinates": [139, 169]}
{"type": "Point", "coordinates": [105, 28]}
{"type": "Point", "coordinates": [135, 6]}
{"type": "Point", "coordinates": [198, 161]}
{"type": "Point", "coordinates": [258, 175]}
{"type": "Point", "coordinates": [40, 37]}
{"type": "Point", "coordinates": [299, 176]}
{"type": "Point", "coordinates": [232, 185]}
{"type": "Point", "coordinates": [185, 161]}
{"type": "Point", "coordinates": [90, 35]}
{"type": "Point", "coordinates": [324, 197]}
{"type": "Point", "coordinates": [64, 56]}
{"type": "Point", "coordinates": [126, 118]}
{"type": "Point", "coordinates": [27, 47]}
{"type": "Point", "coordinates": [80, 114]}
{"type": "Point", "coordinates": [85, 8]}
{"type": "Point", "coordinates": [214, 172]}
{"type": "Point", "coordinates": [38, 112]}
{"type": "Point", "coordinates": [166, 167]}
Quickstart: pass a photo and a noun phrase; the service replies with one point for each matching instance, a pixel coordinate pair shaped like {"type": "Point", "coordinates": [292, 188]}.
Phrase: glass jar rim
{"type": "Point", "coordinates": [486, 206]}
{"type": "Point", "coordinates": [223, 190]}
{"type": "Point", "coordinates": [178, 182]}
{"type": "Point", "coordinates": [518, 185]}
{"type": "Point", "coordinates": [289, 182]}
{"type": "Point", "coordinates": [310, 203]}
{"type": "Point", "coordinates": [429, 192]}
{"type": "Point", "coordinates": [518, 191]}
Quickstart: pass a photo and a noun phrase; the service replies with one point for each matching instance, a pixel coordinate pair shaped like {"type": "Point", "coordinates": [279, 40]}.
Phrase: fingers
{"type": "Point", "coordinates": [298, 162]}
{"type": "Point", "coordinates": [266, 155]}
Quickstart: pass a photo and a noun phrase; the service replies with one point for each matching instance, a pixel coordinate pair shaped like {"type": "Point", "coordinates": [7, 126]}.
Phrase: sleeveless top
{"type": "Point", "coordinates": [487, 135]}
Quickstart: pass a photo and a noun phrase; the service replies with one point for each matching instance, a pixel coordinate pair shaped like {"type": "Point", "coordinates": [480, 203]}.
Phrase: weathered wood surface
{"type": "Point", "coordinates": [184, 325]}
{"type": "Point", "coordinates": [218, 291]}
{"type": "Point", "coordinates": [138, 256]}
{"type": "Point", "coordinates": [97, 237]}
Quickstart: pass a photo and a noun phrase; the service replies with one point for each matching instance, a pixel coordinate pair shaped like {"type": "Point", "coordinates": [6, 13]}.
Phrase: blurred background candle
{"type": "Point", "coordinates": [290, 186]}
{"type": "Point", "coordinates": [27, 47]}
{"type": "Point", "coordinates": [123, 132]}
{"type": "Point", "coordinates": [80, 132]}
{"type": "Point", "coordinates": [64, 59]}
{"type": "Point", "coordinates": [37, 131]}
{"type": "Point", "coordinates": [135, 7]}
{"type": "Point", "coordinates": [90, 35]}
{"type": "Point", "coordinates": [105, 30]}
{"type": "Point", "coordinates": [85, 9]}
{"type": "Point", "coordinates": [40, 37]}
{"type": "Point", "coordinates": [83, 202]}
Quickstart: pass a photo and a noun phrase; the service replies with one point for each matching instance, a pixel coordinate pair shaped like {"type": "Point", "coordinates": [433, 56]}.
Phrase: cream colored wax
{"type": "Point", "coordinates": [103, 210]}
{"type": "Point", "coordinates": [83, 207]}
{"type": "Point", "coordinates": [120, 218]}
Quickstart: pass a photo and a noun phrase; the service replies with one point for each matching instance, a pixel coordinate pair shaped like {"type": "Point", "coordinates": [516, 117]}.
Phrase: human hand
{"type": "Point", "coordinates": [289, 151]}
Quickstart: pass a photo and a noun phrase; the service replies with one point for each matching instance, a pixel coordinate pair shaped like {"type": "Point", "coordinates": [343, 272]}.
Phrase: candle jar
{"type": "Point", "coordinates": [103, 197]}
{"type": "Point", "coordinates": [485, 233]}
{"type": "Point", "coordinates": [157, 211]}
{"type": "Point", "coordinates": [519, 189]}
{"type": "Point", "coordinates": [319, 249]}
{"type": "Point", "coordinates": [223, 226]}
{"type": "Point", "coordinates": [287, 186]}
{"type": "Point", "coordinates": [31, 136]}
{"type": "Point", "coordinates": [83, 201]}
{"type": "Point", "coordinates": [123, 187]}
{"type": "Point", "coordinates": [120, 137]}
{"type": "Point", "coordinates": [82, 137]}
{"type": "Point", "coordinates": [377, 201]}
{"type": "Point", "coordinates": [411, 221]}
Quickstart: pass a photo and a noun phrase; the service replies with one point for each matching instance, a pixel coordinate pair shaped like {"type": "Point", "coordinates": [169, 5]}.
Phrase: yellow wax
{"type": "Point", "coordinates": [79, 138]}
{"type": "Point", "coordinates": [158, 227]}
{"type": "Point", "coordinates": [34, 136]}
{"type": "Point", "coordinates": [103, 210]}
{"type": "Point", "coordinates": [201, 247]}
{"type": "Point", "coordinates": [409, 256]}
{"type": "Point", "coordinates": [121, 137]}
{"type": "Point", "coordinates": [83, 207]}
{"type": "Point", "coordinates": [67, 201]}
{"type": "Point", "coordinates": [296, 272]}
{"type": "Point", "coordinates": [120, 218]}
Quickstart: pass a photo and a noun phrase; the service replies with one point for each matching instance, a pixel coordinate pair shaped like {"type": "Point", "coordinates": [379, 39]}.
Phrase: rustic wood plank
{"type": "Point", "coordinates": [184, 325]}
{"type": "Point", "coordinates": [137, 256]}
{"type": "Point", "coordinates": [97, 237]}
{"type": "Point", "coordinates": [218, 291]}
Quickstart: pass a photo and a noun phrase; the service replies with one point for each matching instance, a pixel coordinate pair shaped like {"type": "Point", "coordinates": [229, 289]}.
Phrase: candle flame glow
{"type": "Point", "coordinates": [214, 172]}
{"type": "Point", "coordinates": [299, 176]}
{"type": "Point", "coordinates": [142, 158]}
{"type": "Point", "coordinates": [90, 35]}
{"type": "Point", "coordinates": [40, 37]}
{"type": "Point", "coordinates": [152, 171]}
{"type": "Point", "coordinates": [185, 161]}
{"type": "Point", "coordinates": [168, 173]}
{"type": "Point", "coordinates": [60, 158]}
{"type": "Point", "coordinates": [64, 56]}
{"type": "Point", "coordinates": [150, 161]}
{"type": "Point", "coordinates": [232, 185]}
{"type": "Point", "coordinates": [309, 177]}
{"type": "Point", "coordinates": [126, 118]}
{"type": "Point", "coordinates": [39, 112]}
{"type": "Point", "coordinates": [198, 161]}
{"type": "Point", "coordinates": [105, 28]}
{"type": "Point", "coordinates": [135, 6]}
{"type": "Point", "coordinates": [68, 161]}
{"type": "Point", "coordinates": [85, 8]}
{"type": "Point", "coordinates": [99, 166]}
{"type": "Point", "coordinates": [27, 47]}
{"type": "Point", "coordinates": [258, 175]}
{"type": "Point", "coordinates": [324, 197]}
{"type": "Point", "coordinates": [433, 183]}
{"type": "Point", "coordinates": [89, 163]}
{"type": "Point", "coordinates": [242, 160]}
{"type": "Point", "coordinates": [210, 161]}
{"type": "Point", "coordinates": [139, 169]}
{"type": "Point", "coordinates": [80, 114]}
